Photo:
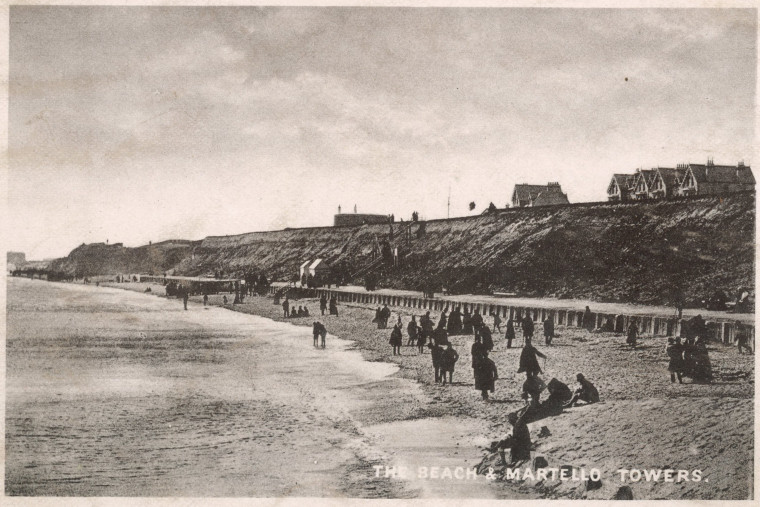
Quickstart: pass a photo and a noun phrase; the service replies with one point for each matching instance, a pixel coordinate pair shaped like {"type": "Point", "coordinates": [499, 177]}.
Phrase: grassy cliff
{"type": "Point", "coordinates": [638, 252]}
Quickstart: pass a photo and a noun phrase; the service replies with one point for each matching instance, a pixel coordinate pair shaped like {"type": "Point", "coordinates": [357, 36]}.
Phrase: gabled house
{"type": "Point", "coordinates": [711, 179]}
{"type": "Point", "coordinates": [621, 187]}
{"type": "Point", "coordinates": [665, 182]}
{"type": "Point", "coordinates": [641, 185]}
{"type": "Point", "coordinates": [525, 195]}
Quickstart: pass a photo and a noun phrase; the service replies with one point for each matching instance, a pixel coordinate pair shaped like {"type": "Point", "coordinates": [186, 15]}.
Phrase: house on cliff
{"type": "Point", "coordinates": [525, 195]}
{"type": "Point", "coordinates": [357, 219]}
{"type": "Point", "coordinates": [711, 179]}
{"type": "Point", "coordinates": [621, 187]}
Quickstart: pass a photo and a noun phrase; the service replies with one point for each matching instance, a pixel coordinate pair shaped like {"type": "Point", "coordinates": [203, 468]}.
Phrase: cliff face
{"type": "Point", "coordinates": [102, 259]}
{"type": "Point", "coordinates": [640, 252]}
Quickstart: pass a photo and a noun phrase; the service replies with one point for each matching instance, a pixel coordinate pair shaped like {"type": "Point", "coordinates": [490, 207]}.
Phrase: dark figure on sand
{"type": "Point", "coordinates": [436, 354]}
{"type": "Point", "coordinates": [496, 322]}
{"type": "Point", "coordinates": [477, 320]}
{"type": "Point", "coordinates": [286, 307]}
{"type": "Point", "coordinates": [185, 296]}
{"type": "Point", "coordinates": [485, 375]}
{"type": "Point", "coordinates": [455, 322]}
{"type": "Point", "coordinates": [334, 306]}
{"type": "Point", "coordinates": [385, 314]}
{"type": "Point", "coordinates": [588, 320]}
{"type": "Point", "coordinates": [205, 299]}
{"type": "Point", "coordinates": [426, 323]}
{"type": "Point", "coordinates": [527, 327]}
{"type": "Point", "coordinates": [548, 330]}
{"type": "Point", "coordinates": [323, 304]}
{"type": "Point", "coordinates": [448, 361]}
{"type": "Point", "coordinates": [411, 330]}
{"type": "Point", "coordinates": [529, 359]}
{"type": "Point", "coordinates": [675, 359]}
{"type": "Point", "coordinates": [586, 392]}
{"type": "Point", "coordinates": [442, 320]}
{"type": "Point", "coordinates": [633, 334]}
{"type": "Point", "coordinates": [467, 322]}
{"type": "Point", "coordinates": [510, 332]}
{"type": "Point", "coordinates": [396, 340]}
{"type": "Point", "coordinates": [319, 330]}
{"type": "Point", "coordinates": [485, 337]}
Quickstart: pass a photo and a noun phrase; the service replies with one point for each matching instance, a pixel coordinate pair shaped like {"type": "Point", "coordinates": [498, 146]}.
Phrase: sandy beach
{"type": "Point", "coordinates": [115, 393]}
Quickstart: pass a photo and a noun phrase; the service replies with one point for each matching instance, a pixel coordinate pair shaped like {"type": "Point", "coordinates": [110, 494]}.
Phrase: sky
{"type": "Point", "coordinates": [138, 124]}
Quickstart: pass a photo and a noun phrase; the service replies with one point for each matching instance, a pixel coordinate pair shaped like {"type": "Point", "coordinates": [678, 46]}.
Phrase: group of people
{"type": "Point", "coordinates": [333, 305]}
{"type": "Point", "coordinates": [291, 312]}
{"type": "Point", "coordinates": [689, 359]}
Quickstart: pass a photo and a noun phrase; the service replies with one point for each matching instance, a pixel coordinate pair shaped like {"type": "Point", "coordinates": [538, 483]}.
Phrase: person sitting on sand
{"type": "Point", "coordinates": [224, 300]}
{"type": "Point", "coordinates": [449, 358]}
{"type": "Point", "coordinates": [305, 312]}
{"type": "Point", "coordinates": [586, 392]}
{"type": "Point", "coordinates": [411, 330]}
{"type": "Point", "coordinates": [299, 312]}
{"type": "Point", "coordinates": [396, 340]}
{"type": "Point", "coordinates": [485, 375]}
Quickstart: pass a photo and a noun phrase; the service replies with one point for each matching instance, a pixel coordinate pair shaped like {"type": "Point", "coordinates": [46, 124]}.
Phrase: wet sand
{"type": "Point", "coordinates": [114, 393]}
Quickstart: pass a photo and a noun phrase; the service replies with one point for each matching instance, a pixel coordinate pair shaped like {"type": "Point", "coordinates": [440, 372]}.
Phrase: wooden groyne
{"type": "Point", "coordinates": [719, 329]}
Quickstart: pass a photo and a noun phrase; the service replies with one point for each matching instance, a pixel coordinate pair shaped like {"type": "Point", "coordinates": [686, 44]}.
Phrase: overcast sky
{"type": "Point", "coordinates": [142, 123]}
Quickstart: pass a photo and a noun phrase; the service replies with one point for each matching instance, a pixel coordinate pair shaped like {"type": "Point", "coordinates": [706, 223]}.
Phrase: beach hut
{"type": "Point", "coordinates": [320, 271]}
{"type": "Point", "coordinates": [303, 270]}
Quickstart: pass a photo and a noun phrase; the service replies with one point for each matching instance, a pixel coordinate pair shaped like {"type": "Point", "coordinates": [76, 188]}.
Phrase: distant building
{"type": "Point", "coordinates": [621, 187]}
{"type": "Point", "coordinates": [356, 219]}
{"type": "Point", "coordinates": [525, 195]}
{"type": "Point", "coordinates": [711, 179]}
{"type": "Point", "coordinates": [683, 180]}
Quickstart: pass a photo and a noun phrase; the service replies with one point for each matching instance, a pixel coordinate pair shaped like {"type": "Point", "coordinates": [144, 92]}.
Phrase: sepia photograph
{"type": "Point", "coordinates": [383, 252]}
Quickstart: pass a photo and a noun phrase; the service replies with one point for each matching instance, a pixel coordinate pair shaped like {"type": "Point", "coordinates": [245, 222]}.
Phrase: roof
{"type": "Point", "coordinates": [318, 264]}
{"type": "Point", "coordinates": [550, 198]}
{"type": "Point", "coordinates": [305, 265]}
{"type": "Point", "coordinates": [623, 181]}
{"type": "Point", "coordinates": [526, 192]}
{"type": "Point", "coordinates": [671, 177]}
{"type": "Point", "coordinates": [722, 174]}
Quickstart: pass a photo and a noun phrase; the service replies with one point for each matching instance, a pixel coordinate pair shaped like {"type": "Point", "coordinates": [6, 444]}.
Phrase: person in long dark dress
{"type": "Point", "coordinates": [510, 332]}
{"type": "Point", "coordinates": [477, 320]}
{"type": "Point", "coordinates": [455, 321]}
{"type": "Point", "coordinates": [396, 340]}
{"type": "Point", "coordinates": [485, 375]}
{"type": "Point", "coordinates": [334, 306]}
{"type": "Point", "coordinates": [442, 321]}
{"type": "Point", "coordinates": [411, 330]}
{"type": "Point", "coordinates": [426, 323]}
{"type": "Point", "coordinates": [633, 333]}
{"type": "Point", "coordinates": [529, 360]}
{"type": "Point", "coordinates": [702, 364]}
{"type": "Point", "coordinates": [485, 337]}
{"type": "Point", "coordinates": [421, 340]}
{"type": "Point", "coordinates": [467, 322]}
{"type": "Point", "coordinates": [548, 330]}
{"type": "Point", "coordinates": [674, 350]}
{"type": "Point", "coordinates": [323, 304]}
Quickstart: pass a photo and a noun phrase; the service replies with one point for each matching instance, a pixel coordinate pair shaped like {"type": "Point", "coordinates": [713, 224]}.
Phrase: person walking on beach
{"type": "Point", "coordinates": [467, 322]}
{"type": "Point", "coordinates": [485, 337]}
{"type": "Point", "coordinates": [477, 320]}
{"type": "Point", "coordinates": [485, 375]}
{"type": "Point", "coordinates": [323, 304]}
{"type": "Point", "coordinates": [426, 323]}
{"type": "Point", "coordinates": [334, 306]}
{"type": "Point", "coordinates": [420, 340]}
{"type": "Point", "coordinates": [548, 330]}
{"type": "Point", "coordinates": [385, 314]}
{"type": "Point", "coordinates": [319, 330]}
{"type": "Point", "coordinates": [442, 321]}
{"type": "Point", "coordinates": [448, 361]}
{"type": "Point", "coordinates": [588, 319]}
{"type": "Point", "coordinates": [205, 299]}
{"type": "Point", "coordinates": [396, 340]}
{"type": "Point", "coordinates": [455, 322]}
{"type": "Point", "coordinates": [510, 332]}
{"type": "Point", "coordinates": [436, 355]}
{"type": "Point", "coordinates": [527, 327]}
{"type": "Point", "coordinates": [286, 307]}
{"type": "Point", "coordinates": [185, 297]}
{"type": "Point", "coordinates": [633, 333]}
{"type": "Point", "coordinates": [411, 330]}
{"type": "Point", "coordinates": [496, 322]}
{"type": "Point", "coordinates": [529, 359]}
{"type": "Point", "coordinates": [674, 350]}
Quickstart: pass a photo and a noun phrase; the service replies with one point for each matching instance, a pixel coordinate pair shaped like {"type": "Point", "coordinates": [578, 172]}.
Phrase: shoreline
{"type": "Point", "coordinates": [627, 397]}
